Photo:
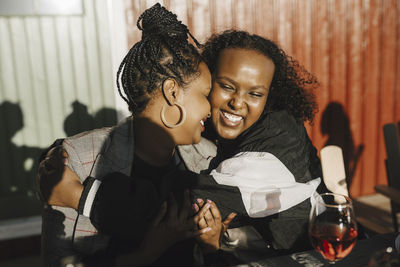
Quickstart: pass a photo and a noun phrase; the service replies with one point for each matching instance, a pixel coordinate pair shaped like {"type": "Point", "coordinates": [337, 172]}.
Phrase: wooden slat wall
{"type": "Point", "coordinates": [353, 47]}
{"type": "Point", "coordinates": [47, 63]}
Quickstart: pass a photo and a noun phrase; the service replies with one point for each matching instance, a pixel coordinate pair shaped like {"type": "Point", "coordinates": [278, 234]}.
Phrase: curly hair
{"type": "Point", "coordinates": [292, 86]}
{"type": "Point", "coordinates": [163, 52]}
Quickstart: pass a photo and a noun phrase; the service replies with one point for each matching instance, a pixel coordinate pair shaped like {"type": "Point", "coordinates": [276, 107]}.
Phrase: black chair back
{"type": "Point", "coordinates": [391, 135]}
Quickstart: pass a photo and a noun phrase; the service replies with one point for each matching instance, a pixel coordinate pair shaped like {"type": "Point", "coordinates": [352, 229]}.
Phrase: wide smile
{"type": "Point", "coordinates": [231, 119]}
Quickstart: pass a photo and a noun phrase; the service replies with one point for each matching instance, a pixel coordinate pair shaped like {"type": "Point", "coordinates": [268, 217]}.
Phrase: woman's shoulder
{"type": "Point", "coordinates": [274, 127]}
{"type": "Point", "coordinates": [280, 134]}
{"type": "Point", "coordinates": [101, 151]}
{"type": "Point", "coordinates": [94, 137]}
{"type": "Point", "coordinates": [282, 120]}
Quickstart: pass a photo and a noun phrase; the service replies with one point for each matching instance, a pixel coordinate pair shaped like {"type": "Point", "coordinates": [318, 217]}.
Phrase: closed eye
{"type": "Point", "coordinates": [225, 86]}
{"type": "Point", "coordinates": [254, 94]}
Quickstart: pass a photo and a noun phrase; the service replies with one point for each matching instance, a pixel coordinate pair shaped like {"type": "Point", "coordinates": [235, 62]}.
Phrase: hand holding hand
{"type": "Point", "coordinates": [210, 241]}
{"type": "Point", "coordinates": [168, 228]}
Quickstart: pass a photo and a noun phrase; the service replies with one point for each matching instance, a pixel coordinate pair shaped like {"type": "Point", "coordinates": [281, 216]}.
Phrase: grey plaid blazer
{"type": "Point", "coordinates": [96, 153]}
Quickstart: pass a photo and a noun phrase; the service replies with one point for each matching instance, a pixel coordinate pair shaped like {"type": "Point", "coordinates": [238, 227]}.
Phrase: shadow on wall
{"type": "Point", "coordinates": [336, 125]}
{"type": "Point", "coordinates": [80, 120]}
{"type": "Point", "coordinates": [17, 167]}
{"type": "Point", "coordinates": [18, 163]}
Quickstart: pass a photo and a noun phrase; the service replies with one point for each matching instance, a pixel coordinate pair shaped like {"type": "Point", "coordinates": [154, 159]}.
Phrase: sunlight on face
{"type": "Point", "coordinates": [241, 84]}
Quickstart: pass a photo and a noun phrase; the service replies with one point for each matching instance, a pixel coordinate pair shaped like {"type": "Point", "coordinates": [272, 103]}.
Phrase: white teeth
{"type": "Point", "coordinates": [232, 117]}
{"type": "Point", "coordinates": [202, 122]}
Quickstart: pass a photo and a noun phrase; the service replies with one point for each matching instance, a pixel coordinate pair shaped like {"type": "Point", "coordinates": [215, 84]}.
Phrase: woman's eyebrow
{"type": "Point", "coordinates": [233, 82]}
{"type": "Point", "coordinates": [225, 78]}
{"type": "Point", "coordinates": [259, 87]}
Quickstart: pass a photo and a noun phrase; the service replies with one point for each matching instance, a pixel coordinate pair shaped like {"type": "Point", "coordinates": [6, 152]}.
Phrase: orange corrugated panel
{"type": "Point", "coordinates": [180, 8]}
{"type": "Point", "coordinates": [264, 17]}
{"type": "Point", "coordinates": [320, 64]}
{"type": "Point", "coordinates": [200, 28]}
{"type": "Point", "coordinates": [244, 15]}
{"type": "Point", "coordinates": [223, 18]}
{"type": "Point", "coordinates": [371, 96]}
{"type": "Point", "coordinates": [397, 79]}
{"type": "Point", "coordinates": [302, 33]}
{"type": "Point", "coordinates": [338, 22]}
{"type": "Point", "coordinates": [132, 13]}
{"type": "Point", "coordinates": [387, 81]}
{"type": "Point", "coordinates": [302, 38]}
{"type": "Point", "coordinates": [354, 87]}
{"type": "Point", "coordinates": [284, 24]}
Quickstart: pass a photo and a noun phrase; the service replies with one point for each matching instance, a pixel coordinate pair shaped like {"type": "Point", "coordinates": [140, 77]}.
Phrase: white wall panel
{"type": "Point", "coordinates": [47, 63]}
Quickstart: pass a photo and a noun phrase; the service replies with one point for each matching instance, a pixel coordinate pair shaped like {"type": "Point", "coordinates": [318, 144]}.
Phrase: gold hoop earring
{"type": "Point", "coordinates": [208, 115]}
{"type": "Point", "coordinates": [182, 119]}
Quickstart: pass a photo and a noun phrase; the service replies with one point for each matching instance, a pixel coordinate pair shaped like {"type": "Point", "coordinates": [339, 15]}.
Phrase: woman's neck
{"type": "Point", "coordinates": [152, 143]}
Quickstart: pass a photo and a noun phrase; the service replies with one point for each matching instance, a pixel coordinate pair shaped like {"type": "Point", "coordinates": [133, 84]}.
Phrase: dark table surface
{"type": "Point", "coordinates": [360, 256]}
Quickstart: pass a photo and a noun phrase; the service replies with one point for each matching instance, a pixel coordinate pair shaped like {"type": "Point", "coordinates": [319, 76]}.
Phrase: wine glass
{"type": "Point", "coordinates": [332, 229]}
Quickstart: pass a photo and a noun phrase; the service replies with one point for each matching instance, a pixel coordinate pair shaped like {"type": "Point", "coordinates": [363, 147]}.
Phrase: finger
{"type": "Point", "coordinates": [215, 211]}
{"type": "Point", "coordinates": [195, 208]}
{"type": "Point", "coordinates": [208, 216]}
{"type": "Point", "coordinates": [202, 223]}
{"type": "Point", "coordinates": [200, 202]}
{"type": "Point", "coordinates": [228, 220]}
{"type": "Point", "coordinates": [199, 218]}
{"type": "Point", "coordinates": [173, 208]}
{"type": "Point", "coordinates": [161, 214]}
{"type": "Point", "coordinates": [185, 206]}
{"type": "Point", "coordinates": [203, 209]}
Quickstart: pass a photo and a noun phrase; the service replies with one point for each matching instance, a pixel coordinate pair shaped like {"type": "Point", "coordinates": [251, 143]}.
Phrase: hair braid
{"type": "Point", "coordinates": [163, 52]}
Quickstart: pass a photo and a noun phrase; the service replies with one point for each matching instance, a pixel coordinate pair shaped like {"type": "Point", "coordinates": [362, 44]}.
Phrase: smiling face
{"type": "Point", "coordinates": [197, 106]}
{"type": "Point", "coordinates": [241, 84]}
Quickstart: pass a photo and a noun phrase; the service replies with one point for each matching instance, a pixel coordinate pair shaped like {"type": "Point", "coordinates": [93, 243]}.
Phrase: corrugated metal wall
{"type": "Point", "coordinates": [56, 79]}
{"type": "Point", "coordinates": [352, 46]}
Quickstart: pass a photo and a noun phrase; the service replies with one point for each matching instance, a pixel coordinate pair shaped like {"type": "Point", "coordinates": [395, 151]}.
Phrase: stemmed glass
{"type": "Point", "coordinates": [332, 229]}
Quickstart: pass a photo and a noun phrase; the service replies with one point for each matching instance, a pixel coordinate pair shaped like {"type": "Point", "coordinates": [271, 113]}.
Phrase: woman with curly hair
{"type": "Point", "coordinates": [265, 168]}
{"type": "Point", "coordinates": [260, 100]}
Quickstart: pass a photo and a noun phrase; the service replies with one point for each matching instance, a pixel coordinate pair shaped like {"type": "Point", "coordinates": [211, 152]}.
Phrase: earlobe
{"type": "Point", "coordinates": [170, 90]}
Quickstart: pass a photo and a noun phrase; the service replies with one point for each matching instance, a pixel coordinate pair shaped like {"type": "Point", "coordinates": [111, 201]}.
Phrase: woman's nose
{"type": "Point", "coordinates": [236, 102]}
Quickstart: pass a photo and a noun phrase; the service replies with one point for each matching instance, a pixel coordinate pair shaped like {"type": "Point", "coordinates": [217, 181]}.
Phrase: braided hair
{"type": "Point", "coordinates": [163, 52]}
{"type": "Point", "coordinates": [291, 87]}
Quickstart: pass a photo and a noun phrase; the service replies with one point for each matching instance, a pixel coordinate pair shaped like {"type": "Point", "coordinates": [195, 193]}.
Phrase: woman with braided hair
{"type": "Point", "coordinates": [165, 83]}
{"type": "Point", "coordinates": [266, 168]}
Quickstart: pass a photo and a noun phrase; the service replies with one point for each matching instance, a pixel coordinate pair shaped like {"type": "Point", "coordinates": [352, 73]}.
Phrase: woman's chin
{"type": "Point", "coordinates": [229, 134]}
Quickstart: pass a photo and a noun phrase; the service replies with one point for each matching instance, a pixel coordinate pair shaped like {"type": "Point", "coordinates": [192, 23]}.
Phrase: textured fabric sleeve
{"type": "Point", "coordinates": [266, 185]}
{"type": "Point", "coordinates": [64, 231]}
